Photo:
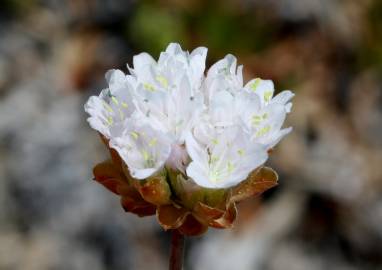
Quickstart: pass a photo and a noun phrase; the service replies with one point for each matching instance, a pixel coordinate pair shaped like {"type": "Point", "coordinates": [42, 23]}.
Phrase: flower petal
{"type": "Point", "coordinates": [142, 63]}
{"type": "Point", "coordinates": [264, 89]}
{"type": "Point", "coordinates": [283, 97]}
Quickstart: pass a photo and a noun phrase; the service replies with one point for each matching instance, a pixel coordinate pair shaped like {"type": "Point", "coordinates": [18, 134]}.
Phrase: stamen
{"type": "Point", "coordinates": [263, 131]}
{"type": "Point", "coordinates": [213, 159]}
{"type": "Point", "coordinates": [109, 120]}
{"type": "Point", "coordinates": [241, 152]}
{"type": "Point", "coordinates": [230, 167]}
{"type": "Point", "coordinates": [268, 95]}
{"type": "Point", "coordinates": [153, 142]}
{"type": "Point", "coordinates": [162, 80]}
{"type": "Point", "coordinates": [134, 134]}
{"type": "Point", "coordinates": [107, 107]}
{"type": "Point", "coordinates": [121, 114]}
{"type": "Point", "coordinates": [149, 87]}
{"type": "Point", "coordinates": [255, 84]}
{"type": "Point", "coordinates": [115, 100]}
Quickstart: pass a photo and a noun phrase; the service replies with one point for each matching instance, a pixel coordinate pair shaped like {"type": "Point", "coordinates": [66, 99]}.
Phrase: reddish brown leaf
{"type": "Point", "coordinates": [205, 214]}
{"type": "Point", "coordinates": [129, 191]}
{"type": "Point", "coordinates": [257, 182]}
{"type": "Point", "coordinates": [155, 190]}
{"type": "Point", "coordinates": [140, 208]}
{"type": "Point", "coordinates": [227, 220]}
{"type": "Point", "coordinates": [109, 175]}
{"type": "Point", "coordinates": [171, 217]}
{"type": "Point", "coordinates": [133, 202]}
{"type": "Point", "coordinates": [192, 227]}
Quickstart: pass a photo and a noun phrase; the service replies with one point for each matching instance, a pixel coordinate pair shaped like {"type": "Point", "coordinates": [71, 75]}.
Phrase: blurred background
{"type": "Point", "coordinates": [325, 214]}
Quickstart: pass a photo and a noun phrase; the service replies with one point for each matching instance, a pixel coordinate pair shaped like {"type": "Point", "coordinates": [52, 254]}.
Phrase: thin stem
{"type": "Point", "coordinates": [176, 251]}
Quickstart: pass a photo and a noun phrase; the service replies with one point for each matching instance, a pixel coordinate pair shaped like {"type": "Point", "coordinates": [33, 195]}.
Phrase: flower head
{"type": "Point", "coordinates": [198, 140]}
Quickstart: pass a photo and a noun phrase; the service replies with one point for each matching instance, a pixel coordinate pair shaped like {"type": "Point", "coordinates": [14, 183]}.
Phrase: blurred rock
{"type": "Point", "coordinates": [326, 212]}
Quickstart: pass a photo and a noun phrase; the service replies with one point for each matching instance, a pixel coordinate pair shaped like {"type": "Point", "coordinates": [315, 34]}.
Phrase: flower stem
{"type": "Point", "coordinates": [176, 251]}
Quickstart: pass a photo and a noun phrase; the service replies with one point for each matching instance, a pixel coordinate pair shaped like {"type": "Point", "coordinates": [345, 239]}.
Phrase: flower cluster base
{"type": "Point", "coordinates": [177, 206]}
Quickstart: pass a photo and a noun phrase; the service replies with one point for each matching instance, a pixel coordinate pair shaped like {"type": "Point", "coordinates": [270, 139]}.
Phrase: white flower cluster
{"type": "Point", "coordinates": [211, 127]}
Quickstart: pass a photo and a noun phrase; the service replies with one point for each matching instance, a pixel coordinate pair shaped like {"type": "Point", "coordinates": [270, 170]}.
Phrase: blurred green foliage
{"type": "Point", "coordinates": [371, 50]}
{"type": "Point", "coordinates": [153, 27]}
{"type": "Point", "coordinates": [16, 7]}
{"type": "Point", "coordinates": [210, 24]}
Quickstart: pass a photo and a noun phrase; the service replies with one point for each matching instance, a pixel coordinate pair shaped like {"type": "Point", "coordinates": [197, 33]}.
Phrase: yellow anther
{"type": "Point", "coordinates": [256, 123]}
{"type": "Point", "coordinates": [115, 100]}
{"type": "Point", "coordinates": [213, 159]}
{"type": "Point", "coordinates": [256, 120]}
{"type": "Point", "coordinates": [146, 155]}
{"type": "Point", "coordinates": [109, 120]}
{"type": "Point", "coordinates": [134, 134]}
{"type": "Point", "coordinates": [149, 87]}
{"type": "Point", "coordinates": [107, 107]}
{"type": "Point", "coordinates": [124, 105]}
{"type": "Point", "coordinates": [215, 141]}
{"type": "Point", "coordinates": [153, 142]}
{"type": "Point", "coordinates": [264, 130]}
{"type": "Point", "coordinates": [162, 80]}
{"type": "Point", "coordinates": [255, 84]}
{"type": "Point", "coordinates": [268, 95]}
{"type": "Point", "coordinates": [121, 114]}
{"type": "Point", "coordinates": [241, 152]}
{"type": "Point", "coordinates": [230, 167]}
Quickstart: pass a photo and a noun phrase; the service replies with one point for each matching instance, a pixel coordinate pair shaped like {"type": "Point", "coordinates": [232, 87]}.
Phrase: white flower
{"type": "Point", "coordinates": [213, 129]}
{"type": "Point", "coordinates": [265, 118]}
{"type": "Point", "coordinates": [168, 91]}
{"type": "Point", "coordinates": [143, 149]}
{"type": "Point", "coordinates": [223, 75]}
{"type": "Point", "coordinates": [265, 124]}
{"type": "Point", "coordinates": [225, 159]}
{"type": "Point", "coordinates": [265, 89]}
{"type": "Point", "coordinates": [114, 105]}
